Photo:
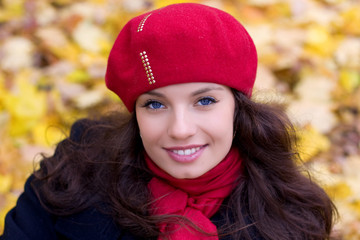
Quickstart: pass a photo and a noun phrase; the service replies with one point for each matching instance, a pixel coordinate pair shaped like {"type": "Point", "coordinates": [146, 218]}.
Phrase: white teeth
{"type": "Point", "coordinates": [187, 151]}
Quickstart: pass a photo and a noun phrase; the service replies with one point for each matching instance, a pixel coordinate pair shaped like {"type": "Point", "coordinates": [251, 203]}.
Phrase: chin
{"type": "Point", "coordinates": [188, 175]}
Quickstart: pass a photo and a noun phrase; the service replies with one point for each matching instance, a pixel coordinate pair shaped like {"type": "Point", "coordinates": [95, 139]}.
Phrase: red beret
{"type": "Point", "coordinates": [180, 43]}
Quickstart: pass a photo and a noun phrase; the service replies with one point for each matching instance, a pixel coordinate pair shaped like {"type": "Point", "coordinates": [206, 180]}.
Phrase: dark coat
{"type": "Point", "coordinates": [30, 221]}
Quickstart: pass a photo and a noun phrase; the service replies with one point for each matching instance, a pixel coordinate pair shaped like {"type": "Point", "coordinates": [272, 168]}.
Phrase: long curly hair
{"type": "Point", "coordinates": [101, 165]}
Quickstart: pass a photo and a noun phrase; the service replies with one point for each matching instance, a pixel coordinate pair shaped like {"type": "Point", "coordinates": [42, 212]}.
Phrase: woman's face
{"type": "Point", "coordinates": [186, 129]}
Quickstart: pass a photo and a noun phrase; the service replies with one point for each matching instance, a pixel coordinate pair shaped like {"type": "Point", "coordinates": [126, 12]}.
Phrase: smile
{"type": "Point", "coordinates": [186, 152]}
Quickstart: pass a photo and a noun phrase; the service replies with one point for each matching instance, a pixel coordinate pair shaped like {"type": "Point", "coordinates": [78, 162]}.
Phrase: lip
{"type": "Point", "coordinates": [185, 158]}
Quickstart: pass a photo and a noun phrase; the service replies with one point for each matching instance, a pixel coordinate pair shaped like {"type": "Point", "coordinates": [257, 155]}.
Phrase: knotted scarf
{"type": "Point", "coordinates": [196, 199]}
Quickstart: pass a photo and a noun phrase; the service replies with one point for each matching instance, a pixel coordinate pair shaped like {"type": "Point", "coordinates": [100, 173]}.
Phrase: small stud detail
{"type": "Point", "coordinates": [142, 23]}
{"type": "Point", "coordinates": [145, 61]}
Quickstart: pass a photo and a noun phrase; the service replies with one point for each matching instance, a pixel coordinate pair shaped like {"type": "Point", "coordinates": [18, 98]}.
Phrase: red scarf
{"type": "Point", "coordinates": [197, 199]}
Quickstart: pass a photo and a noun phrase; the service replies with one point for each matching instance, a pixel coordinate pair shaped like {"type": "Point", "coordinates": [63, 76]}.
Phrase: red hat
{"type": "Point", "coordinates": [180, 43]}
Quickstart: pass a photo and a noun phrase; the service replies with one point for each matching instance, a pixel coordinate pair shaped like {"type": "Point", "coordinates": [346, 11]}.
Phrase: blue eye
{"type": "Point", "coordinates": [206, 101]}
{"type": "Point", "coordinates": [154, 104]}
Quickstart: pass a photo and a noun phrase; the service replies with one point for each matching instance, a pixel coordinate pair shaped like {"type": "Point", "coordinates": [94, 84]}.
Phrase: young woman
{"type": "Point", "coordinates": [195, 157]}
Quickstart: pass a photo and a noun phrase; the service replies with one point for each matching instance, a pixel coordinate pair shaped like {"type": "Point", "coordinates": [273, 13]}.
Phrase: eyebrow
{"type": "Point", "coordinates": [154, 93]}
{"type": "Point", "coordinates": [197, 92]}
{"type": "Point", "coordinates": [205, 90]}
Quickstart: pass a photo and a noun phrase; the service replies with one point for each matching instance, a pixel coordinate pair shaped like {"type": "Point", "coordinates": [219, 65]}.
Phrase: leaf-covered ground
{"type": "Point", "coordinates": [53, 57]}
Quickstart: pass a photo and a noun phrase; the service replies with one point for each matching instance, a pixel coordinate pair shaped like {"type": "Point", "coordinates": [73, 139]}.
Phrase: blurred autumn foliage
{"type": "Point", "coordinates": [53, 57]}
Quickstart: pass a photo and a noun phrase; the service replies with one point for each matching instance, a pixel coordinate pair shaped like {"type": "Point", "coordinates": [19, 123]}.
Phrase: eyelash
{"type": "Point", "coordinates": [148, 103]}
{"type": "Point", "coordinates": [210, 99]}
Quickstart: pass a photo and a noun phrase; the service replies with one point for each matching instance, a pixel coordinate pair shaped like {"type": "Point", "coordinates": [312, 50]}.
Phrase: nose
{"type": "Point", "coordinates": [181, 125]}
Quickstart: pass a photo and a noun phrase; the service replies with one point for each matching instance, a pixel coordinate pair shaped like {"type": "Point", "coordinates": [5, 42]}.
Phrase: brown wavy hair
{"type": "Point", "coordinates": [101, 165]}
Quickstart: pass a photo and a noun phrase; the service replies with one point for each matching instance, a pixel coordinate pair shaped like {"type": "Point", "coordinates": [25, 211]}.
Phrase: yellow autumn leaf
{"type": "Point", "coordinates": [319, 41]}
{"type": "Point", "coordinates": [355, 206]}
{"type": "Point", "coordinates": [69, 52]}
{"type": "Point", "coordinates": [311, 142]}
{"type": "Point", "coordinates": [105, 46]}
{"type": "Point", "coordinates": [349, 80]}
{"type": "Point", "coordinates": [351, 20]}
{"type": "Point", "coordinates": [47, 133]}
{"type": "Point", "coordinates": [2, 91]}
{"type": "Point", "coordinates": [78, 76]}
{"type": "Point", "coordinates": [278, 10]}
{"type": "Point", "coordinates": [339, 191]}
{"type": "Point", "coordinates": [5, 182]}
{"type": "Point", "coordinates": [25, 104]}
{"type": "Point", "coordinates": [102, 2]}
{"type": "Point", "coordinates": [11, 9]}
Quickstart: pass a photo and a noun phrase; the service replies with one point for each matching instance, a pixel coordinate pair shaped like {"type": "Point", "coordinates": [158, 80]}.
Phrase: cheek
{"type": "Point", "coordinates": [221, 124]}
{"type": "Point", "coordinates": [149, 128]}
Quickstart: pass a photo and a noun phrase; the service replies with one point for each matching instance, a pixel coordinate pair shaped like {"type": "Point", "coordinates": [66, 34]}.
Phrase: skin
{"type": "Point", "coordinates": [186, 129]}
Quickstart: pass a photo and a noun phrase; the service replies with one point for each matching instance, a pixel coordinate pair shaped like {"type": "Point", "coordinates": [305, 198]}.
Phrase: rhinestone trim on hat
{"type": "Point", "coordinates": [142, 23]}
{"type": "Point", "coordinates": [147, 67]}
